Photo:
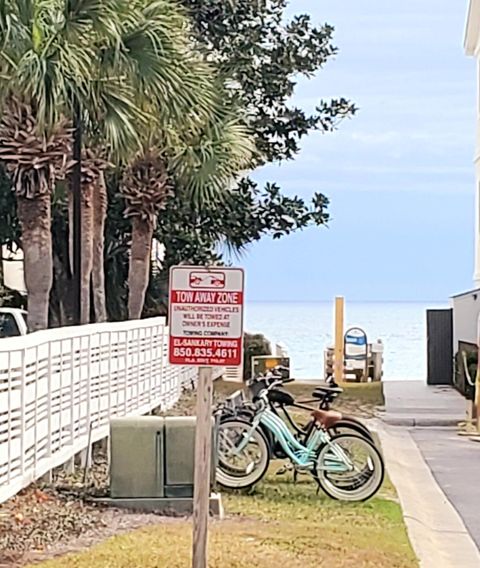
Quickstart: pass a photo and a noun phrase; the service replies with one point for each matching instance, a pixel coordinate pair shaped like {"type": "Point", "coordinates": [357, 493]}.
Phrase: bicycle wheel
{"type": "Point", "coordinates": [241, 469]}
{"type": "Point", "coordinates": [349, 425]}
{"type": "Point", "coordinates": [361, 482]}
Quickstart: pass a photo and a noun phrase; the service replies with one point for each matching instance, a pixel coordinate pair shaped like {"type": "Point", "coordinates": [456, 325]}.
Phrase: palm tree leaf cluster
{"type": "Point", "coordinates": [34, 158]}
{"type": "Point", "coordinates": [145, 186]}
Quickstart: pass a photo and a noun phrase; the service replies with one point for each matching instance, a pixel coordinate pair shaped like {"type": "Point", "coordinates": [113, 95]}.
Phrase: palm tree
{"type": "Point", "coordinates": [107, 57]}
{"type": "Point", "coordinates": [203, 165]}
{"type": "Point", "coordinates": [36, 159]}
{"type": "Point", "coordinates": [154, 56]}
{"type": "Point", "coordinates": [47, 62]}
{"type": "Point", "coordinates": [145, 187]}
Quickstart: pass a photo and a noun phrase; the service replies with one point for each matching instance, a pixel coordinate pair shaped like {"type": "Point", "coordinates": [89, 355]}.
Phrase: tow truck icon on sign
{"type": "Point", "coordinates": [207, 280]}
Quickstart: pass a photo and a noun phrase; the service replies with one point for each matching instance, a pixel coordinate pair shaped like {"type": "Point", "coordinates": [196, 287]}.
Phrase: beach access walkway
{"type": "Point", "coordinates": [435, 470]}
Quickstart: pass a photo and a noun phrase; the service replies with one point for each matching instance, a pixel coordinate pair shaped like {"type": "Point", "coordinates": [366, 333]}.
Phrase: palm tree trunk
{"type": "Point", "coordinates": [100, 201]}
{"type": "Point", "coordinates": [87, 251]}
{"type": "Point", "coordinates": [139, 270]}
{"type": "Point", "coordinates": [35, 218]}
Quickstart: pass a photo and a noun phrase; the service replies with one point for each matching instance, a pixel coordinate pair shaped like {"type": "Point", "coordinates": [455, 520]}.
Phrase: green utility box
{"type": "Point", "coordinates": [153, 457]}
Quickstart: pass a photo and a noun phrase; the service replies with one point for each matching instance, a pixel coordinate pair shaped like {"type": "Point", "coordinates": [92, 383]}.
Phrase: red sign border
{"type": "Point", "coordinates": [205, 269]}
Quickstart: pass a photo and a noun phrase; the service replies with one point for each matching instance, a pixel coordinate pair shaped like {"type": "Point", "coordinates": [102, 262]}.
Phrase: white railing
{"type": "Point", "coordinates": [59, 388]}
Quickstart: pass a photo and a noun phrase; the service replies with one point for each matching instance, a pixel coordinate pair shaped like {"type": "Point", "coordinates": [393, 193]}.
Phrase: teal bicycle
{"type": "Point", "coordinates": [347, 467]}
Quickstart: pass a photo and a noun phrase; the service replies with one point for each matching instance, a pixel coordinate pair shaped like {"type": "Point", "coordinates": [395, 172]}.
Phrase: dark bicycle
{"type": "Point", "coordinates": [280, 401]}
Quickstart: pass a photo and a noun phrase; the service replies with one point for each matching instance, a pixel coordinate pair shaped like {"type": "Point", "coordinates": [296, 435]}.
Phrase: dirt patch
{"type": "Point", "coordinates": [110, 522]}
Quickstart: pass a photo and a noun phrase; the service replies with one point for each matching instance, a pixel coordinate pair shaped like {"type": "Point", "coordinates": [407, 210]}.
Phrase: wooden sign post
{"type": "Point", "coordinates": [203, 453]}
{"type": "Point", "coordinates": [206, 331]}
{"type": "Point", "coordinates": [339, 340]}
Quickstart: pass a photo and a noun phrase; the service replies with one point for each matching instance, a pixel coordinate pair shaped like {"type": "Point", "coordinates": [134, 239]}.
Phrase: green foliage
{"type": "Point", "coordinates": [127, 63]}
{"type": "Point", "coordinates": [254, 345]}
{"type": "Point", "coordinates": [263, 53]}
{"type": "Point", "coordinates": [245, 216]}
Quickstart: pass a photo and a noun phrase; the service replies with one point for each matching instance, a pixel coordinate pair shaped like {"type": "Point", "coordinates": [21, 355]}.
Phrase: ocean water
{"type": "Point", "coordinates": [306, 329]}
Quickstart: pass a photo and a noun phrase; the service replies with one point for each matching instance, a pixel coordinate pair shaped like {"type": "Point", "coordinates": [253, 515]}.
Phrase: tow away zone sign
{"type": "Point", "coordinates": [206, 316]}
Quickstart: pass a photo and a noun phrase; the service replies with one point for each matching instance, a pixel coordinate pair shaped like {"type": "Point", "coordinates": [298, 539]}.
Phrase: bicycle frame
{"type": "Point", "coordinates": [303, 456]}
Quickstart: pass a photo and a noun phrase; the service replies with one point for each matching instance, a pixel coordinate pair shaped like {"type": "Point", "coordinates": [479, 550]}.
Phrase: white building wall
{"type": "Point", "coordinates": [13, 275]}
{"type": "Point", "coordinates": [466, 310]}
{"type": "Point", "coordinates": [472, 49]}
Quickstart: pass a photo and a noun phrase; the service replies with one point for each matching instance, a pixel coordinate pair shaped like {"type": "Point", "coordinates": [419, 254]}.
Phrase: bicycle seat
{"type": "Point", "coordinates": [324, 390]}
{"type": "Point", "coordinates": [326, 418]}
{"type": "Point", "coordinates": [280, 396]}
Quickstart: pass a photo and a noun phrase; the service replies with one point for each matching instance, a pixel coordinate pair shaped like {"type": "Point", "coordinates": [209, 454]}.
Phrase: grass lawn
{"type": "Point", "coordinates": [278, 524]}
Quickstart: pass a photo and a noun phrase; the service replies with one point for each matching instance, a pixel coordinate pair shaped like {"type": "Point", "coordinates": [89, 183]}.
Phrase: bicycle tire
{"type": "Point", "coordinates": [348, 488]}
{"type": "Point", "coordinates": [224, 473]}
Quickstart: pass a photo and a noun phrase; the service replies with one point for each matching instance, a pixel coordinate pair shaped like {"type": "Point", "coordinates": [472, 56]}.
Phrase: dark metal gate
{"type": "Point", "coordinates": [440, 347]}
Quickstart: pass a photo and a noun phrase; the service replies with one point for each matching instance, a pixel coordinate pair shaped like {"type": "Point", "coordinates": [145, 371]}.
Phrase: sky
{"type": "Point", "coordinates": [399, 174]}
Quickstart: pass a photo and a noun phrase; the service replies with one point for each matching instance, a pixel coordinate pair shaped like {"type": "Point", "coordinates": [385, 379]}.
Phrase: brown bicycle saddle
{"type": "Point", "coordinates": [326, 418]}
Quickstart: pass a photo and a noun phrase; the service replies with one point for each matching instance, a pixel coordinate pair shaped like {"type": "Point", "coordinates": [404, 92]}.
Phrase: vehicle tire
{"type": "Point", "coordinates": [244, 470]}
{"type": "Point", "coordinates": [358, 485]}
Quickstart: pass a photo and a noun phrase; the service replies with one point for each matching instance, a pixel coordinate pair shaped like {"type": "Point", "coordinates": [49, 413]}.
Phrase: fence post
{"type": "Point", "coordinates": [48, 477]}
{"type": "Point", "coordinates": [35, 417]}
{"type": "Point", "coordinates": [22, 414]}
{"type": "Point", "coordinates": [109, 366]}
{"type": "Point", "coordinates": [137, 389]}
{"type": "Point", "coordinates": [85, 455]}
{"type": "Point", "coordinates": [125, 407]}
{"type": "Point", "coordinates": [150, 373]}
{"type": "Point", "coordinates": [70, 465]}
{"type": "Point", "coordinates": [9, 418]}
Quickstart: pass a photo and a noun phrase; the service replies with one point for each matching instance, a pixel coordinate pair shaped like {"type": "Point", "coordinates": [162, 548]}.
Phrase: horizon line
{"type": "Point", "coordinates": [347, 301]}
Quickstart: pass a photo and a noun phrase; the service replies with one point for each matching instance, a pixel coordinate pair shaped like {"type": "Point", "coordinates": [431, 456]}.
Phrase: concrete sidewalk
{"type": "Point", "coordinates": [435, 470]}
{"type": "Point", "coordinates": [437, 532]}
{"type": "Point", "coordinates": [413, 403]}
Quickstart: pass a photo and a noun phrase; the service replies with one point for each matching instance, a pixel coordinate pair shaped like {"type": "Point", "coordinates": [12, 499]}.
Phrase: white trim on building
{"type": "Point", "coordinates": [472, 48]}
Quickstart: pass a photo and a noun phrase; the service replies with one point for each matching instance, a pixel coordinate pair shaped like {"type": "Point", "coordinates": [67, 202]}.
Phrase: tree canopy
{"type": "Point", "coordinates": [263, 53]}
{"type": "Point", "coordinates": [259, 52]}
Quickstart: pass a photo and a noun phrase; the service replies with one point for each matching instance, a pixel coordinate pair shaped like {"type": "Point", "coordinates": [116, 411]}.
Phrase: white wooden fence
{"type": "Point", "coordinates": [59, 386]}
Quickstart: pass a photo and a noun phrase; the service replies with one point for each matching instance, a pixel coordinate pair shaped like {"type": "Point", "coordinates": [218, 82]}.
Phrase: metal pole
{"type": "Point", "coordinates": [77, 212]}
{"type": "Point", "coordinates": [203, 458]}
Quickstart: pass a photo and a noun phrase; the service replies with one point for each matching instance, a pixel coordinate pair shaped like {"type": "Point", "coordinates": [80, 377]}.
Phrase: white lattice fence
{"type": "Point", "coordinates": [59, 386]}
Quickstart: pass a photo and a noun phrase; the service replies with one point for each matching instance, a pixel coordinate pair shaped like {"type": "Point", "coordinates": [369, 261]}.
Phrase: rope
{"type": "Point", "coordinates": [467, 373]}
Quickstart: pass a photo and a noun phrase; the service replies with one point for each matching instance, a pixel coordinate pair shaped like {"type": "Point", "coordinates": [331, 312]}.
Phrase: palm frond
{"type": "Point", "coordinates": [155, 53]}
{"type": "Point", "coordinates": [119, 118]}
{"type": "Point", "coordinates": [207, 165]}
